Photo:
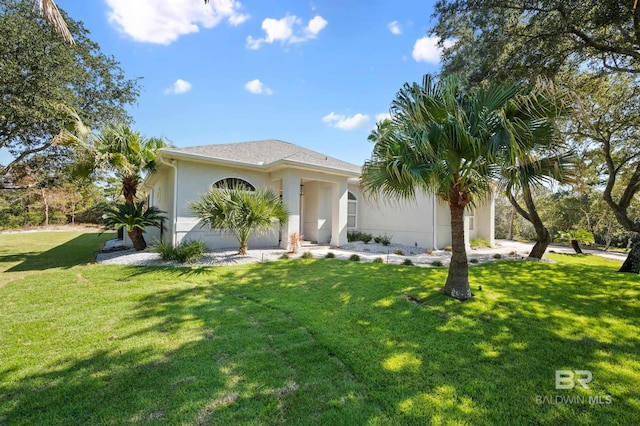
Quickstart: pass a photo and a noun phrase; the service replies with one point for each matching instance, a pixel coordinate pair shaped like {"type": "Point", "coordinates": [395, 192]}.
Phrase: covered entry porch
{"type": "Point", "coordinates": [318, 205]}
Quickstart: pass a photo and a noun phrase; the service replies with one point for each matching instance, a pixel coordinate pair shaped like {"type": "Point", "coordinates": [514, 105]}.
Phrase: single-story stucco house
{"type": "Point", "coordinates": [321, 192]}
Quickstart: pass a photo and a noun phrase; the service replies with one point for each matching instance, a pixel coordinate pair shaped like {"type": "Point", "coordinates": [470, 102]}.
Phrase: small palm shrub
{"type": "Point", "coordinates": [497, 256]}
{"type": "Point", "coordinates": [185, 252]}
{"type": "Point", "coordinates": [354, 257]}
{"type": "Point", "coordinates": [436, 263]}
{"type": "Point", "coordinates": [398, 252]}
{"type": "Point", "coordinates": [407, 262]}
{"type": "Point", "coordinates": [284, 256]}
{"type": "Point", "coordinates": [189, 251]}
{"type": "Point", "coordinates": [307, 255]}
{"type": "Point", "coordinates": [240, 212]}
{"type": "Point", "coordinates": [165, 250]}
{"type": "Point", "coordinates": [365, 237]}
{"type": "Point", "coordinates": [134, 218]}
{"type": "Point", "coordinates": [330, 255]}
{"type": "Point", "coordinates": [378, 260]}
{"type": "Point", "coordinates": [575, 237]}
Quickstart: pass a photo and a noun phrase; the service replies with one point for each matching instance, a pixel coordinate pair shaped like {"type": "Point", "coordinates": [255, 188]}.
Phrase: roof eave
{"type": "Point", "coordinates": [168, 153]}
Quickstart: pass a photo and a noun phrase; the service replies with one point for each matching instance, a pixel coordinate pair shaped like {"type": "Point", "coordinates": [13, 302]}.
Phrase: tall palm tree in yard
{"type": "Point", "coordinates": [128, 153]}
{"type": "Point", "coordinates": [241, 212]}
{"type": "Point", "coordinates": [452, 143]}
{"type": "Point", "coordinates": [543, 155]}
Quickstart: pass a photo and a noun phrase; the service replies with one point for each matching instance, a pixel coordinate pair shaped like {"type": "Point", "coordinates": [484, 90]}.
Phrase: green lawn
{"type": "Point", "coordinates": [309, 341]}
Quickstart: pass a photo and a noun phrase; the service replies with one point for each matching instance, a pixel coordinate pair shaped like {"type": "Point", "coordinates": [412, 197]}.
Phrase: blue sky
{"type": "Point", "coordinates": [318, 74]}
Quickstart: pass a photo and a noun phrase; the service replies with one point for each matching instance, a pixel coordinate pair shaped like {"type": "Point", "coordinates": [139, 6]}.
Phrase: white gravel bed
{"type": "Point", "coordinates": [367, 252]}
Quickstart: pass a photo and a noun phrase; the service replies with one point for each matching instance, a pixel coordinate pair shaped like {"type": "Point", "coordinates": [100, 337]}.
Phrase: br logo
{"type": "Point", "coordinates": [567, 379]}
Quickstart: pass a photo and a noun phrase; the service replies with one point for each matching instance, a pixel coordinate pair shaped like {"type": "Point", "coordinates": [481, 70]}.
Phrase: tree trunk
{"type": "Point", "coordinates": [129, 188]}
{"type": "Point", "coordinates": [632, 263]}
{"type": "Point", "coordinates": [457, 285]}
{"type": "Point", "coordinates": [137, 239]}
{"type": "Point", "coordinates": [243, 249]}
{"type": "Point", "coordinates": [512, 218]}
{"type": "Point", "coordinates": [576, 246]}
{"type": "Point", "coordinates": [543, 237]}
{"type": "Point", "coordinates": [46, 206]}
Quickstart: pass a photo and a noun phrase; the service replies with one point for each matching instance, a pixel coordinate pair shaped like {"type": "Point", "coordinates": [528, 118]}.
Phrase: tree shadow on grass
{"type": "Point", "coordinates": [237, 363]}
{"type": "Point", "coordinates": [78, 251]}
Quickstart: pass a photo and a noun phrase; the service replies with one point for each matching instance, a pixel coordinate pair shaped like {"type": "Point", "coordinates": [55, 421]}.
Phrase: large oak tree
{"type": "Point", "coordinates": [42, 77]}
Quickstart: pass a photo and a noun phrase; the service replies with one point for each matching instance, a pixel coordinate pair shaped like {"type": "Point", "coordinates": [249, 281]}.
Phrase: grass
{"type": "Point", "coordinates": [322, 341]}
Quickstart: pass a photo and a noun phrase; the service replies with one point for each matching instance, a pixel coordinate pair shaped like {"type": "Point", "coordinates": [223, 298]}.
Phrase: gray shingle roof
{"type": "Point", "coordinates": [265, 153]}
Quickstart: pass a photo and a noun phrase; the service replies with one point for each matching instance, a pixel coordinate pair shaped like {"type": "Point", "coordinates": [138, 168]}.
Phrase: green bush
{"type": "Point", "coordinates": [165, 250]}
{"type": "Point", "coordinates": [385, 239]}
{"type": "Point", "coordinates": [307, 255]}
{"type": "Point", "coordinates": [185, 252]}
{"type": "Point", "coordinates": [189, 251]}
{"type": "Point", "coordinates": [436, 263]}
{"type": "Point", "coordinates": [354, 257]}
{"type": "Point", "coordinates": [448, 248]}
{"type": "Point", "coordinates": [330, 255]}
{"type": "Point", "coordinates": [365, 238]}
{"type": "Point", "coordinates": [284, 256]}
{"type": "Point", "coordinates": [378, 260]}
{"type": "Point", "coordinates": [353, 236]}
{"type": "Point", "coordinates": [497, 256]}
{"type": "Point", "coordinates": [473, 261]}
{"type": "Point", "coordinates": [398, 252]}
{"type": "Point", "coordinates": [407, 262]}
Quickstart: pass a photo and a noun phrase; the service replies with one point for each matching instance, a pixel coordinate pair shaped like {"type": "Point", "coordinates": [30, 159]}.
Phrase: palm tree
{"type": "Point", "coordinates": [135, 219]}
{"type": "Point", "coordinates": [240, 212]}
{"type": "Point", "coordinates": [543, 156]}
{"type": "Point", "coordinates": [51, 13]}
{"type": "Point", "coordinates": [128, 153]}
{"type": "Point", "coordinates": [448, 142]}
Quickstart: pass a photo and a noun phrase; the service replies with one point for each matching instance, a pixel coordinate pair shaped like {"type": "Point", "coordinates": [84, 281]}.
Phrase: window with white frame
{"type": "Point", "coordinates": [352, 211]}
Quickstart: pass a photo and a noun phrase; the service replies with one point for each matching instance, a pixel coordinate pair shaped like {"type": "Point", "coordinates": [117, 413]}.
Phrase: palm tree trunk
{"type": "Point", "coordinates": [457, 285]}
{"type": "Point", "coordinates": [576, 246]}
{"type": "Point", "coordinates": [137, 239]}
{"type": "Point", "coordinates": [243, 249]}
{"type": "Point", "coordinates": [129, 188]}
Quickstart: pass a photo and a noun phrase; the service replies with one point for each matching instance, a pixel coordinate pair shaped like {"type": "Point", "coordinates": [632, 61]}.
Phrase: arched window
{"type": "Point", "coordinates": [234, 183]}
{"type": "Point", "coordinates": [352, 210]}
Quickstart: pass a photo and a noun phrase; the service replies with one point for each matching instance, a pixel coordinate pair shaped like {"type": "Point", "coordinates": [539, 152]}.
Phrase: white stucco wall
{"type": "Point", "coordinates": [195, 179]}
{"type": "Point", "coordinates": [322, 216]}
{"type": "Point", "coordinates": [406, 222]}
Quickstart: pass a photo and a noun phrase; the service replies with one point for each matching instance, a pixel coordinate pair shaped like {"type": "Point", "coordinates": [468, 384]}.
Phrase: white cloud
{"type": "Point", "coordinates": [426, 49]}
{"type": "Point", "coordinates": [163, 22]}
{"type": "Point", "coordinates": [382, 116]}
{"type": "Point", "coordinates": [343, 122]}
{"type": "Point", "coordinates": [257, 88]}
{"type": "Point", "coordinates": [395, 28]}
{"type": "Point", "coordinates": [179, 87]}
{"type": "Point", "coordinates": [287, 30]}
